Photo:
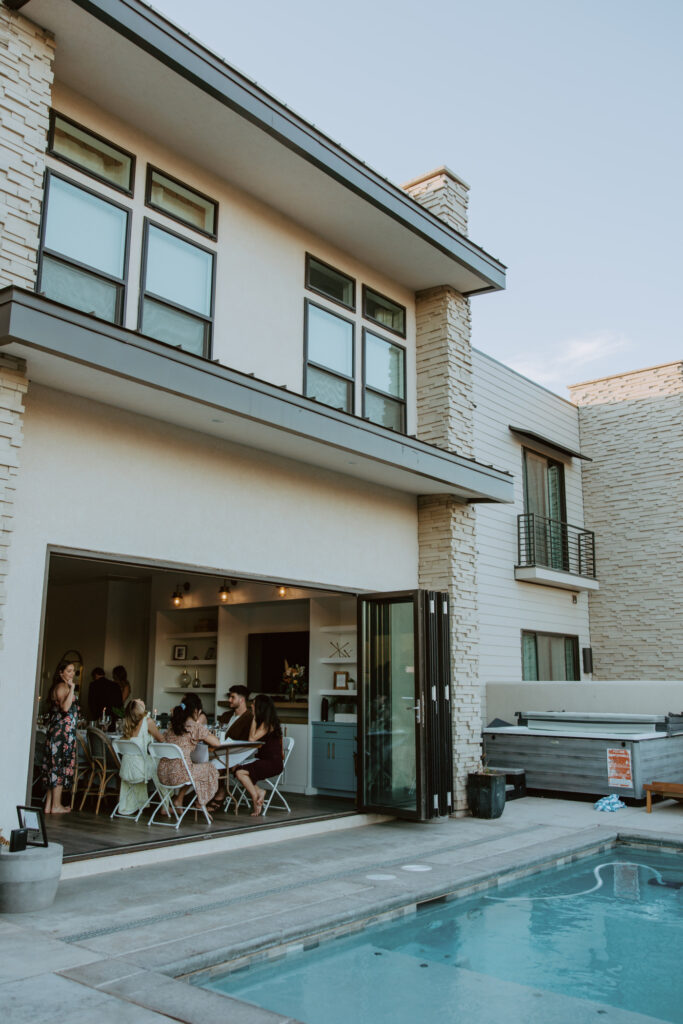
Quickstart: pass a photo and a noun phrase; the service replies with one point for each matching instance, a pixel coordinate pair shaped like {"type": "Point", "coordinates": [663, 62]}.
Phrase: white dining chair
{"type": "Point", "coordinates": [272, 785]}
{"type": "Point", "coordinates": [173, 752]}
{"type": "Point", "coordinates": [131, 749]}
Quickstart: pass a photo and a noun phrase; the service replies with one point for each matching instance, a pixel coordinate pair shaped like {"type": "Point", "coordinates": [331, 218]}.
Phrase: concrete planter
{"type": "Point", "coordinates": [29, 879]}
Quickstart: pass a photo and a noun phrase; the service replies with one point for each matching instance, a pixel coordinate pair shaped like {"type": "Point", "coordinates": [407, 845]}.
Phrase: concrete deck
{"type": "Point", "coordinates": [113, 945]}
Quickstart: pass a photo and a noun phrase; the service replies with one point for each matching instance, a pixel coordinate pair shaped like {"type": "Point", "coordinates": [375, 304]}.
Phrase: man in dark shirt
{"type": "Point", "coordinates": [102, 693]}
{"type": "Point", "coordinates": [239, 718]}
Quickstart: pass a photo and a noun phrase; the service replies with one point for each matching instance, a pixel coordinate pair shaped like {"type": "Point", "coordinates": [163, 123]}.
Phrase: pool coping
{"type": "Point", "coordinates": [170, 986]}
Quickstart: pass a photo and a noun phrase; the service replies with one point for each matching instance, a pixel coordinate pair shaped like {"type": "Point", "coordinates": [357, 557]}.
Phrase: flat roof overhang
{"type": "Point", "coordinates": [170, 87]}
{"type": "Point", "coordinates": [81, 355]}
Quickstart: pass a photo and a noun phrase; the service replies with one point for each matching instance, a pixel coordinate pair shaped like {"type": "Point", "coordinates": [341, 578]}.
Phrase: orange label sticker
{"type": "Point", "coordinates": [619, 767]}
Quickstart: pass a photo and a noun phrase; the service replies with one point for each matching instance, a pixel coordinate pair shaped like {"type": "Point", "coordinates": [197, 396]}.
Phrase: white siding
{"type": "Point", "coordinates": [506, 606]}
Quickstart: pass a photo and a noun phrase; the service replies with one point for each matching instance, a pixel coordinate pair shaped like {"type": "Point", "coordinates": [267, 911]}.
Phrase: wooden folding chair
{"type": "Point", "coordinates": [105, 765]}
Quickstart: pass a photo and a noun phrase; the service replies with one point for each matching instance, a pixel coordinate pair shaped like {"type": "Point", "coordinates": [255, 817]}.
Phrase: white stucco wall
{"type": "Point", "coordinates": [96, 479]}
{"type": "Point", "coordinates": [506, 607]}
{"type": "Point", "coordinates": [260, 262]}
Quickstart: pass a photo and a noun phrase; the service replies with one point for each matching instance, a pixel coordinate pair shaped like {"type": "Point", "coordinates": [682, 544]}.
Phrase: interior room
{"type": "Point", "coordinates": [176, 632]}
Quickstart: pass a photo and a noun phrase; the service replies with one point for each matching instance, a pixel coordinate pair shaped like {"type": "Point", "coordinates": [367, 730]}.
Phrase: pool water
{"type": "Point", "coordinates": [598, 939]}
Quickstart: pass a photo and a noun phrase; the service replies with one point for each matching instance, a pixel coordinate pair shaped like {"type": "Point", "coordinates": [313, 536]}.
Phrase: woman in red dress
{"type": "Point", "coordinates": [269, 758]}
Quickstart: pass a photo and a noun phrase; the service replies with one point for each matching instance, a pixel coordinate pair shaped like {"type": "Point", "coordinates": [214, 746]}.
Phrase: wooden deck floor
{"type": "Point", "coordinates": [84, 834]}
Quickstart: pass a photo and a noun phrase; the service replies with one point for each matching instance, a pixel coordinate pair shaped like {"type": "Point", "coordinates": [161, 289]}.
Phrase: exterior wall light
{"type": "Point", "coordinates": [282, 591]}
{"type": "Point", "coordinates": [177, 598]}
{"type": "Point", "coordinates": [224, 593]}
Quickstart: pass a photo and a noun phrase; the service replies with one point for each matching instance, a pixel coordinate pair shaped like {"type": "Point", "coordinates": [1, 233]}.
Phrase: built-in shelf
{"type": "Point", "coordinates": [191, 636]}
{"type": "Point", "coordinates": [338, 629]}
{"type": "Point", "coordinates": [337, 661]}
{"type": "Point", "coordinates": [338, 693]}
{"type": "Point", "coordinates": [189, 689]}
{"type": "Point", "coordinates": [190, 664]}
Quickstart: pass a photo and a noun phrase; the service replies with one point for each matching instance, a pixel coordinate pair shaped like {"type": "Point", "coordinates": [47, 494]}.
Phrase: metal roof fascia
{"type": "Point", "coordinates": [184, 55]}
{"type": "Point", "coordinates": [547, 443]}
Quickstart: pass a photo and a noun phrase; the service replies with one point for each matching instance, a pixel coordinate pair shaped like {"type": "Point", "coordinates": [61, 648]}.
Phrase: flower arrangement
{"type": "Point", "coordinates": [292, 677]}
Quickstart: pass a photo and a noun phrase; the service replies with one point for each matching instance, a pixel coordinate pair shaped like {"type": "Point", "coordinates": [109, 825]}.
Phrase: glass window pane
{"type": "Point", "coordinates": [330, 282]}
{"type": "Point", "coordinates": [92, 154]}
{"type": "Point", "coordinates": [179, 271]}
{"type": "Point", "coordinates": [384, 311]}
{"type": "Point", "coordinates": [529, 666]}
{"type": "Point", "coordinates": [384, 365]}
{"type": "Point", "coordinates": [181, 202]}
{"type": "Point", "coordinates": [174, 327]}
{"type": "Point", "coordinates": [328, 389]}
{"type": "Point", "coordinates": [79, 289]}
{"type": "Point", "coordinates": [385, 411]}
{"type": "Point", "coordinates": [85, 228]}
{"type": "Point", "coordinates": [330, 340]}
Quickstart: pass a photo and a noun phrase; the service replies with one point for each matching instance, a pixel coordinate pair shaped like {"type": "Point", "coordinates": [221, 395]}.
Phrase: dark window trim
{"type": "Point", "coordinates": [183, 184]}
{"type": "Point", "coordinates": [309, 287]}
{"type": "Point", "coordinates": [378, 391]}
{"type": "Point", "coordinates": [79, 167]}
{"type": "Point", "coordinates": [550, 461]}
{"type": "Point", "coordinates": [147, 222]}
{"type": "Point", "coordinates": [122, 282]}
{"type": "Point", "coordinates": [366, 316]}
{"type": "Point", "coordinates": [562, 636]}
{"type": "Point", "coordinates": [326, 369]}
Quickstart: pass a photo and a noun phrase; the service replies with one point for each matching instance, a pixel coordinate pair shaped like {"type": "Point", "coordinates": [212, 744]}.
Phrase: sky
{"type": "Point", "coordinates": [564, 118]}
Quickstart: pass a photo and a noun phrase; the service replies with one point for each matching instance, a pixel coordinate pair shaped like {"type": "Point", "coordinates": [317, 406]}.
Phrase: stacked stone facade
{"type": "Point", "coordinates": [632, 427]}
{"type": "Point", "coordinates": [13, 385]}
{"type": "Point", "coordinates": [447, 528]}
{"type": "Point", "coordinates": [26, 56]}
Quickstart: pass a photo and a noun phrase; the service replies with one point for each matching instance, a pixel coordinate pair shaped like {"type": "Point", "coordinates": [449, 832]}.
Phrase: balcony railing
{"type": "Point", "coordinates": [555, 545]}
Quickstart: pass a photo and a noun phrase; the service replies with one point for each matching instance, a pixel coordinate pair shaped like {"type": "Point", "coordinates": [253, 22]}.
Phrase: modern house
{"type": "Point", "coordinates": [242, 420]}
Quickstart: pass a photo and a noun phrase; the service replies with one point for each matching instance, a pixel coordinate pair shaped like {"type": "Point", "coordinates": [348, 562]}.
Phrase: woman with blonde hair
{"type": "Point", "coordinates": [137, 769]}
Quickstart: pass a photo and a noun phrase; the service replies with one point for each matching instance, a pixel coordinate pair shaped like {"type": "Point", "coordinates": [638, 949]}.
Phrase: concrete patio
{"type": "Point", "coordinates": [114, 944]}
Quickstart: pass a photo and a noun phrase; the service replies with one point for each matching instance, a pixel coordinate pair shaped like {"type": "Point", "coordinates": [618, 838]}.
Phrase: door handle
{"type": "Point", "coordinates": [333, 752]}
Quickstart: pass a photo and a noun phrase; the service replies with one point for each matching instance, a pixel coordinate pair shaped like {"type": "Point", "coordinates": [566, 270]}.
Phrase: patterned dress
{"type": "Point", "coordinates": [171, 771]}
{"type": "Point", "coordinates": [59, 759]}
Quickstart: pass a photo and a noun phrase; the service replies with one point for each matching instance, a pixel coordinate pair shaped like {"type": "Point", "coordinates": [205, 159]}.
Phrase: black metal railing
{"type": "Point", "coordinates": [555, 545]}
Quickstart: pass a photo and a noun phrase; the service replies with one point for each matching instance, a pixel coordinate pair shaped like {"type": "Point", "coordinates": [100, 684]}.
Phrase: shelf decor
{"type": "Point", "coordinates": [180, 652]}
{"type": "Point", "coordinates": [341, 680]}
{"type": "Point", "coordinates": [293, 679]}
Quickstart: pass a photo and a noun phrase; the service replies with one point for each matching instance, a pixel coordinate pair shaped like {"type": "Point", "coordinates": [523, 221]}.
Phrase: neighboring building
{"type": "Point", "coordinates": [238, 390]}
{"type": "Point", "coordinates": [632, 427]}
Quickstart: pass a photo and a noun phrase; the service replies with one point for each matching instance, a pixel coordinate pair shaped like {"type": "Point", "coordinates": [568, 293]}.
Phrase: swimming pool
{"type": "Point", "coordinates": [598, 938]}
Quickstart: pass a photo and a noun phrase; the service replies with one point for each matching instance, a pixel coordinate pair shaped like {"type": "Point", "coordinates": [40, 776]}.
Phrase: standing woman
{"type": "Point", "coordinates": [59, 760]}
{"type": "Point", "coordinates": [269, 757]}
{"type": "Point", "coordinates": [120, 677]}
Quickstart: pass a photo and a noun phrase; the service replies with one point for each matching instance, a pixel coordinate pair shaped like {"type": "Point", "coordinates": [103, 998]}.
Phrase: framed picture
{"type": "Point", "coordinates": [180, 652]}
{"type": "Point", "coordinates": [33, 820]}
{"type": "Point", "coordinates": [341, 680]}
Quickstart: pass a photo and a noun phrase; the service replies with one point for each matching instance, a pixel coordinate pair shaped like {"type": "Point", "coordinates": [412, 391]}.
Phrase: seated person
{"type": "Point", "coordinates": [238, 720]}
{"type": "Point", "coordinates": [202, 719]}
{"type": "Point", "coordinates": [103, 694]}
{"type": "Point", "coordinates": [186, 731]}
{"type": "Point", "coordinates": [135, 772]}
{"type": "Point", "coordinates": [268, 760]}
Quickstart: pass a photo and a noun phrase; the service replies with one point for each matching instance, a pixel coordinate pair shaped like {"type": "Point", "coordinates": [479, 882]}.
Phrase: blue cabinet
{"type": "Point", "coordinates": [333, 762]}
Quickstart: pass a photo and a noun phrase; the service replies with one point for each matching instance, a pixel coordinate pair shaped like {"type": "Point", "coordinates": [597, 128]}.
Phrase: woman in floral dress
{"type": "Point", "coordinates": [186, 731]}
{"type": "Point", "coordinates": [59, 760]}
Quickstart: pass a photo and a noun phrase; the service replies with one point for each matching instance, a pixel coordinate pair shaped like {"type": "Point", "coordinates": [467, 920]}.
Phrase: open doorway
{"type": "Point", "coordinates": [178, 631]}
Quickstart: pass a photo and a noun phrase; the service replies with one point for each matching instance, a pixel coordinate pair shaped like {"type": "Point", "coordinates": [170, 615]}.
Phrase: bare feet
{"type": "Point", "coordinates": [60, 810]}
{"type": "Point", "coordinates": [258, 804]}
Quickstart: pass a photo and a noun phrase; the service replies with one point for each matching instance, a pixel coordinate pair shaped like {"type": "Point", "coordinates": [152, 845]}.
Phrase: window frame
{"type": "Point", "coordinates": [310, 288]}
{"type": "Point", "coordinates": [122, 283]}
{"type": "Point", "coordinates": [383, 327]}
{"type": "Point", "coordinates": [535, 633]}
{"type": "Point", "coordinates": [151, 168]}
{"type": "Point", "coordinates": [130, 191]}
{"type": "Point", "coordinates": [326, 369]}
{"type": "Point", "coordinates": [403, 402]}
{"type": "Point", "coordinates": [147, 223]}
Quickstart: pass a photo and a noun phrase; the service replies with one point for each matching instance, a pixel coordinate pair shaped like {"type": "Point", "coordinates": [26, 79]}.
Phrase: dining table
{"type": "Point", "coordinates": [229, 754]}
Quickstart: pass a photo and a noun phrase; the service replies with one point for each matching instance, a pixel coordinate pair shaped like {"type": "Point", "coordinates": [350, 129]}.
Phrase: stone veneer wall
{"type": "Point", "coordinates": [26, 56]}
{"type": "Point", "coordinates": [13, 385]}
{"type": "Point", "coordinates": [446, 528]}
{"type": "Point", "coordinates": [632, 427]}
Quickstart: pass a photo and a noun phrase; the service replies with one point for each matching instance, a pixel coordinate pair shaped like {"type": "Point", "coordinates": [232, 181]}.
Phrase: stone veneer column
{"type": "Point", "coordinates": [631, 425]}
{"type": "Point", "coordinates": [13, 385]}
{"type": "Point", "coordinates": [447, 528]}
{"type": "Point", "coordinates": [26, 55]}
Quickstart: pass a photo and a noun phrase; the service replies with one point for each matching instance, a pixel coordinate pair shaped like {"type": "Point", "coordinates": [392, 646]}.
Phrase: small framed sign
{"type": "Point", "coordinates": [33, 820]}
{"type": "Point", "coordinates": [180, 652]}
{"type": "Point", "coordinates": [341, 680]}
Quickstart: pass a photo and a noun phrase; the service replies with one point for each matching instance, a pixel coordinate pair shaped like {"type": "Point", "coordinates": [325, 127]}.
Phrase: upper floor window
{"type": "Point", "coordinates": [549, 656]}
{"type": "Point", "coordinates": [91, 153]}
{"type": "Point", "coordinates": [182, 203]}
{"type": "Point", "coordinates": [384, 391]}
{"type": "Point", "coordinates": [176, 294]}
{"type": "Point", "coordinates": [384, 312]}
{"type": "Point", "coordinates": [325, 280]}
{"type": "Point", "coordinates": [329, 344]}
{"type": "Point", "coordinates": [544, 503]}
{"type": "Point", "coordinates": [84, 250]}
